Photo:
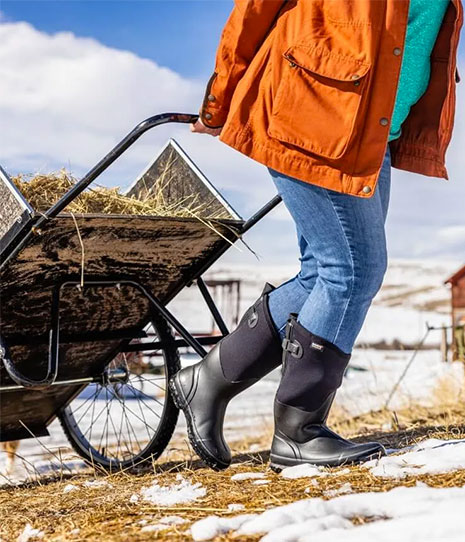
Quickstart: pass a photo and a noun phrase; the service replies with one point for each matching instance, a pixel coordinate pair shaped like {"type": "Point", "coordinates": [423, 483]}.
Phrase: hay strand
{"type": "Point", "coordinates": [42, 191]}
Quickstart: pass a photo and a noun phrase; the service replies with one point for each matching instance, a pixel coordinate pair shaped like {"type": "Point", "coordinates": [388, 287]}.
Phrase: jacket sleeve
{"type": "Point", "coordinates": [244, 32]}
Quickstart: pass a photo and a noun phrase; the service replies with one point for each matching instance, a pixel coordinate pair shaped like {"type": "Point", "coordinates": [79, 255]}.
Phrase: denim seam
{"type": "Point", "coordinates": [352, 262]}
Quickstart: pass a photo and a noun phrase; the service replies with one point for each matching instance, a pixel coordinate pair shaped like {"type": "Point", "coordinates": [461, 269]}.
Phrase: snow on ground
{"type": "Point", "coordinates": [413, 293]}
{"type": "Point", "coordinates": [163, 524]}
{"type": "Point", "coordinates": [29, 533]}
{"type": "Point", "coordinates": [373, 374]}
{"type": "Point", "coordinates": [303, 471]}
{"type": "Point", "coordinates": [432, 456]}
{"type": "Point", "coordinates": [251, 412]}
{"type": "Point", "coordinates": [240, 476]}
{"type": "Point", "coordinates": [411, 513]}
{"type": "Point", "coordinates": [410, 292]}
{"type": "Point", "coordinates": [407, 514]}
{"type": "Point", "coordinates": [180, 493]}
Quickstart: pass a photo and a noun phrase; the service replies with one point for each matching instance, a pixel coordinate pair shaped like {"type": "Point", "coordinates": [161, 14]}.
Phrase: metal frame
{"type": "Point", "coordinates": [33, 227]}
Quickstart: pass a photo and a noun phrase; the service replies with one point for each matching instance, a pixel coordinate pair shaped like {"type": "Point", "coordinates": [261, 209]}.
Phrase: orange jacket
{"type": "Point", "coordinates": [307, 87]}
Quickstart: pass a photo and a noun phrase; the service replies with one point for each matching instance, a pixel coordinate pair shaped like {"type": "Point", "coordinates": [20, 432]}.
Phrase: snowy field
{"type": "Point", "coordinates": [413, 294]}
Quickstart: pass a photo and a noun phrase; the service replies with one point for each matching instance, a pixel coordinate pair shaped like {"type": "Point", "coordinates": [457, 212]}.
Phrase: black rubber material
{"type": "Point", "coordinates": [313, 368]}
{"type": "Point", "coordinates": [313, 371]}
{"type": "Point", "coordinates": [277, 463]}
{"type": "Point", "coordinates": [194, 439]}
{"type": "Point", "coordinates": [203, 390]}
{"type": "Point", "coordinates": [166, 425]}
{"type": "Point", "coordinates": [253, 349]}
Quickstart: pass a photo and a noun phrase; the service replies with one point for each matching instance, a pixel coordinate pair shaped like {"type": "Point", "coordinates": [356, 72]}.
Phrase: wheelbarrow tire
{"type": "Point", "coordinates": [166, 426]}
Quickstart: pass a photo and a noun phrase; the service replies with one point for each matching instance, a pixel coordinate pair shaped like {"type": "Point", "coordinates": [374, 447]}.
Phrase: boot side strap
{"type": "Point", "coordinates": [293, 347]}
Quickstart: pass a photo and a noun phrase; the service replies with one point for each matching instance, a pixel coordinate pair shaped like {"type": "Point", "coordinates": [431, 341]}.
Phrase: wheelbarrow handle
{"type": "Point", "coordinates": [115, 153]}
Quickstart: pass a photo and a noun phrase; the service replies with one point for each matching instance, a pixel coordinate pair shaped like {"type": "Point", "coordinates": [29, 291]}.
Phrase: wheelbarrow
{"type": "Point", "coordinates": [72, 349]}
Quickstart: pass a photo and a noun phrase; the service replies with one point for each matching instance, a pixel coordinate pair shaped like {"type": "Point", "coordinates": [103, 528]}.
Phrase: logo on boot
{"type": "Point", "coordinates": [253, 319]}
{"type": "Point", "coordinates": [317, 346]}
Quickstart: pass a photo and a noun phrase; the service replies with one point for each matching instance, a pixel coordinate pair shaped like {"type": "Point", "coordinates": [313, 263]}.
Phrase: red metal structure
{"type": "Point", "coordinates": [457, 282]}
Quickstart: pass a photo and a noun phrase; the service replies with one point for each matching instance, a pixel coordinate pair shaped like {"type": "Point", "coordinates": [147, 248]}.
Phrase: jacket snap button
{"type": "Point", "coordinates": [208, 116]}
{"type": "Point", "coordinates": [292, 64]}
{"type": "Point", "coordinates": [397, 51]}
{"type": "Point", "coordinates": [357, 83]}
{"type": "Point", "coordinates": [366, 189]}
{"type": "Point", "coordinates": [384, 121]}
{"type": "Point", "coordinates": [211, 98]}
{"type": "Point", "coordinates": [355, 76]}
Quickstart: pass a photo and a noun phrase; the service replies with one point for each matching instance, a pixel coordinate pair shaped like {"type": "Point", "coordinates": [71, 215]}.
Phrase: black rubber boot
{"type": "Point", "coordinates": [313, 370]}
{"type": "Point", "coordinates": [204, 390]}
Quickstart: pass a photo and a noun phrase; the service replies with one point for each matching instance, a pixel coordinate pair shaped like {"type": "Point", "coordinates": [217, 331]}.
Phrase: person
{"type": "Point", "coordinates": [328, 95]}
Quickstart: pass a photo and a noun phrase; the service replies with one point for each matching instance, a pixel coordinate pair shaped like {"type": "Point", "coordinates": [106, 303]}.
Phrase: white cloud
{"type": "Point", "coordinates": [66, 100]}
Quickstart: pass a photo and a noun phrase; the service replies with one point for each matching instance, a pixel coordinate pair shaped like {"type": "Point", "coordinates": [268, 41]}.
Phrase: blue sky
{"type": "Point", "coordinates": [65, 100]}
{"type": "Point", "coordinates": [181, 34]}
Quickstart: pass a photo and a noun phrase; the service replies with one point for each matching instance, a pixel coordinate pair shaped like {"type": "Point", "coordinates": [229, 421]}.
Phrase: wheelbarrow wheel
{"type": "Point", "coordinates": [128, 417]}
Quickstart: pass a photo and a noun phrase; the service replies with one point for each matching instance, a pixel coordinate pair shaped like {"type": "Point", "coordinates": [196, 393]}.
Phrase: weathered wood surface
{"type": "Point", "coordinates": [175, 176]}
{"type": "Point", "coordinates": [163, 254]}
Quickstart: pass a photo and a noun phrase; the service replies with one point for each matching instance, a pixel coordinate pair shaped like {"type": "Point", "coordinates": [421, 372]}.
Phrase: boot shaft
{"type": "Point", "coordinates": [253, 349]}
{"type": "Point", "coordinates": [313, 369]}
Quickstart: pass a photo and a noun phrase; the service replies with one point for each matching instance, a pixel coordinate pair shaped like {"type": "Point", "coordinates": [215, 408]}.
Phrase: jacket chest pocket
{"type": "Point", "coordinates": [318, 100]}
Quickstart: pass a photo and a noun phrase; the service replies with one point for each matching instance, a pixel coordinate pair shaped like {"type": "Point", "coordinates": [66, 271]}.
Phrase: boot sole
{"type": "Point", "coordinates": [196, 443]}
{"type": "Point", "coordinates": [278, 463]}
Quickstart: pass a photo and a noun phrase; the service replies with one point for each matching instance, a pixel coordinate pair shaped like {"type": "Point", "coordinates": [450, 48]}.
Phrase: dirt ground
{"type": "Point", "coordinates": [106, 513]}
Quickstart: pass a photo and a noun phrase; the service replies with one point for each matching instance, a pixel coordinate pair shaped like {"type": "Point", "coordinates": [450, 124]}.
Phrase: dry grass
{"type": "Point", "coordinates": [95, 511]}
{"type": "Point", "coordinates": [42, 191]}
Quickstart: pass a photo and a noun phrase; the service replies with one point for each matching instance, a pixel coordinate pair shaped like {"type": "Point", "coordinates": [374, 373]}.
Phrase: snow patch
{"type": "Point", "coordinates": [208, 528]}
{"type": "Point", "coordinates": [345, 488]}
{"type": "Point", "coordinates": [29, 533]}
{"type": "Point", "coordinates": [182, 492]}
{"type": "Point", "coordinates": [234, 507]}
{"type": "Point", "coordinates": [164, 523]}
{"type": "Point", "coordinates": [404, 513]}
{"type": "Point", "coordinates": [303, 471]}
{"type": "Point", "coordinates": [173, 520]}
{"type": "Point", "coordinates": [432, 456]}
{"type": "Point", "coordinates": [69, 487]}
{"type": "Point", "coordinates": [247, 476]}
{"type": "Point", "coordinates": [96, 484]}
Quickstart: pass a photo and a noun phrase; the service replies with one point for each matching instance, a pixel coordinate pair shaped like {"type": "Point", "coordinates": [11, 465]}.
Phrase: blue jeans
{"type": "Point", "coordinates": [343, 257]}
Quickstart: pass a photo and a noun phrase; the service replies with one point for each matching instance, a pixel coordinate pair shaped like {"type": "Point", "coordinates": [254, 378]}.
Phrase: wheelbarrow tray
{"type": "Point", "coordinates": [162, 254]}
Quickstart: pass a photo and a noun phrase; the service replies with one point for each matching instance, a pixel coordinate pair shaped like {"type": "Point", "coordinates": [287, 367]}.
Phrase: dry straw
{"type": "Point", "coordinates": [42, 191]}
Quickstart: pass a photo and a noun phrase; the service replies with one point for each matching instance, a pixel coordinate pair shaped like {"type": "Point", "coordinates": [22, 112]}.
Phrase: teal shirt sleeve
{"type": "Point", "coordinates": [424, 22]}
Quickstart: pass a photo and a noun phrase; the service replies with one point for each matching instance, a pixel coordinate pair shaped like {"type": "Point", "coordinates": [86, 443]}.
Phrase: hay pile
{"type": "Point", "coordinates": [42, 191]}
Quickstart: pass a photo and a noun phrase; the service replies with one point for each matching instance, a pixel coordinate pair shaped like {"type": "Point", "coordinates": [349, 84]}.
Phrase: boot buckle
{"type": "Point", "coordinates": [293, 347]}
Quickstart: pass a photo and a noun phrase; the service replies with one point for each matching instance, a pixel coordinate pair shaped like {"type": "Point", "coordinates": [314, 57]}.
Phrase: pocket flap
{"type": "Point", "coordinates": [327, 63]}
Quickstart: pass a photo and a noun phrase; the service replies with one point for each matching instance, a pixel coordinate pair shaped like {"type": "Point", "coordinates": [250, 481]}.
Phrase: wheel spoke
{"type": "Point", "coordinates": [95, 397]}
{"type": "Point", "coordinates": [156, 413]}
{"type": "Point", "coordinates": [119, 439]}
{"type": "Point", "coordinates": [157, 385]}
{"type": "Point", "coordinates": [106, 422]}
